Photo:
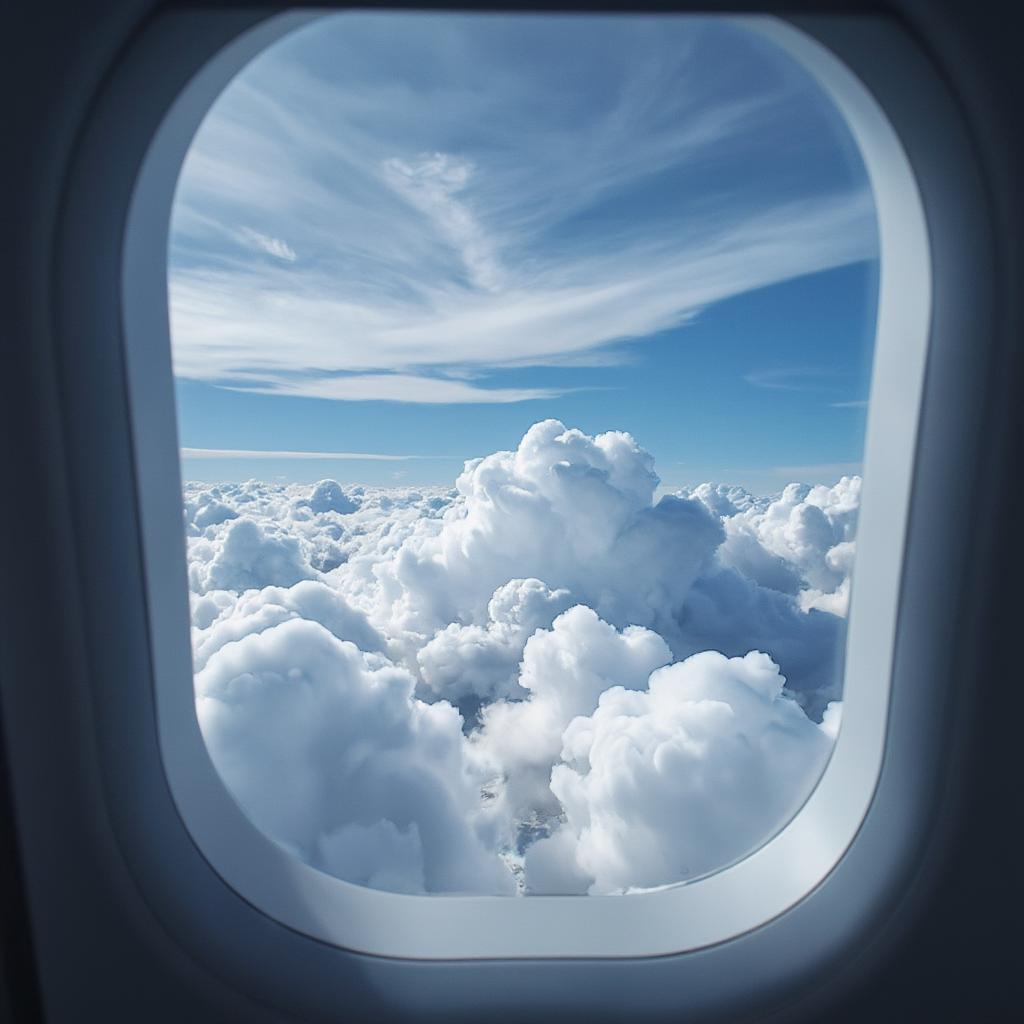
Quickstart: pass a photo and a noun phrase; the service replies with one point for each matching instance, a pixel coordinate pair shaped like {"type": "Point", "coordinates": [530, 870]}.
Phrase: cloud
{"type": "Point", "coordinates": [793, 378]}
{"type": "Point", "coordinates": [247, 556]}
{"type": "Point", "coordinates": [326, 539]}
{"type": "Point", "coordinates": [265, 243]}
{"type": "Point", "coordinates": [212, 513]}
{"type": "Point", "coordinates": [483, 661]}
{"type": "Point", "coordinates": [728, 612]}
{"type": "Point", "coordinates": [808, 529]}
{"type": "Point", "coordinates": [575, 511]}
{"type": "Point", "coordinates": [329, 496]}
{"type": "Point", "coordinates": [244, 453]}
{"type": "Point", "coordinates": [326, 750]}
{"type": "Point", "coordinates": [543, 679]}
{"type": "Point", "coordinates": [431, 183]}
{"type": "Point", "coordinates": [396, 387]}
{"type": "Point", "coordinates": [564, 672]}
{"type": "Point", "coordinates": [248, 328]}
{"type": "Point", "coordinates": [446, 228]}
{"type": "Point", "coordinates": [379, 856]}
{"type": "Point", "coordinates": [670, 782]}
{"type": "Point", "coordinates": [724, 500]}
{"type": "Point", "coordinates": [221, 617]}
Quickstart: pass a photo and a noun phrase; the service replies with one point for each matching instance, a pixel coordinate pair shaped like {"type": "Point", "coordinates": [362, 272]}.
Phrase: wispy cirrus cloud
{"type": "Point", "coordinates": [232, 321]}
{"type": "Point", "coordinates": [431, 184]}
{"type": "Point", "coordinates": [453, 231]}
{"type": "Point", "coordinates": [804, 379]}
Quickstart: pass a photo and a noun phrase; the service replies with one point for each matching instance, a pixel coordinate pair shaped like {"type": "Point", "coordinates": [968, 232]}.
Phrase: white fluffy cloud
{"type": "Point", "coordinates": [564, 671]}
{"type": "Point", "coordinates": [327, 750]}
{"type": "Point", "coordinates": [575, 511]}
{"type": "Point", "coordinates": [545, 679]}
{"type": "Point", "coordinates": [806, 533]}
{"type": "Point", "coordinates": [220, 617]}
{"type": "Point", "coordinates": [667, 783]}
{"type": "Point", "coordinates": [483, 661]}
{"type": "Point", "coordinates": [248, 555]}
{"type": "Point", "coordinates": [328, 496]}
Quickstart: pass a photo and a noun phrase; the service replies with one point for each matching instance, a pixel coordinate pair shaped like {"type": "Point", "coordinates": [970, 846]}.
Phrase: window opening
{"type": "Point", "coordinates": [522, 368]}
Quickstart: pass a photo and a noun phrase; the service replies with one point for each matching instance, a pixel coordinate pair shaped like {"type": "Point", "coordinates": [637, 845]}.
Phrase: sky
{"type": "Point", "coordinates": [400, 240]}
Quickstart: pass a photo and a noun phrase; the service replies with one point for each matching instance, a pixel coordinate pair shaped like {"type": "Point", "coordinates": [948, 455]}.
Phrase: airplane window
{"type": "Point", "coordinates": [522, 369]}
{"type": "Point", "coordinates": [584, 423]}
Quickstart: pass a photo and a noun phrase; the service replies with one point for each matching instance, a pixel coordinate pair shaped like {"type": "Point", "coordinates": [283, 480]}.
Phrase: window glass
{"type": "Point", "coordinates": [522, 368]}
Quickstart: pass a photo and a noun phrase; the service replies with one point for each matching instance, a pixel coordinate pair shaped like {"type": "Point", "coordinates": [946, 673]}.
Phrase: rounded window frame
{"type": "Point", "coordinates": [705, 912]}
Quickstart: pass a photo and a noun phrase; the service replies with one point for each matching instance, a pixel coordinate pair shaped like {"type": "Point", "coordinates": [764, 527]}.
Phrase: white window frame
{"type": "Point", "coordinates": [703, 913]}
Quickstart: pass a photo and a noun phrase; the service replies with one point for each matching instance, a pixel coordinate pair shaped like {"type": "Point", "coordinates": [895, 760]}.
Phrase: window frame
{"type": "Point", "coordinates": [828, 908]}
{"type": "Point", "coordinates": [703, 912]}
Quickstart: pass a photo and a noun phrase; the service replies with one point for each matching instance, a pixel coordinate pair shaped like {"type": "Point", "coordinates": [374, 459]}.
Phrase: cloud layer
{"type": "Point", "coordinates": [544, 679]}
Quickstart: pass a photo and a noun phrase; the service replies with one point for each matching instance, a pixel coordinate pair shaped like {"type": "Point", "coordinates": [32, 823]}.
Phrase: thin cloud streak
{"type": "Point", "coordinates": [794, 378]}
{"type": "Point", "coordinates": [395, 388]}
{"type": "Point", "coordinates": [239, 453]}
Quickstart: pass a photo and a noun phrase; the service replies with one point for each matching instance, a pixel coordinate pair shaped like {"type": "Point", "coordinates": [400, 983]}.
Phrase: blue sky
{"type": "Point", "coordinates": [409, 237]}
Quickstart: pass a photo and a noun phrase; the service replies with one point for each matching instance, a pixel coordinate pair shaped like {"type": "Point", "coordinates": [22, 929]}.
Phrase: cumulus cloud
{"type": "Point", "coordinates": [328, 496]}
{"type": "Point", "coordinates": [728, 612]}
{"type": "Point", "coordinates": [248, 555]}
{"type": "Point", "coordinates": [545, 679]}
{"type": "Point", "coordinates": [328, 752]}
{"type": "Point", "coordinates": [671, 782]}
{"type": "Point", "coordinates": [575, 511]}
{"type": "Point", "coordinates": [483, 661]}
{"type": "Point", "coordinates": [806, 533]}
{"type": "Point", "coordinates": [564, 671]}
{"type": "Point", "coordinates": [220, 617]}
{"type": "Point", "coordinates": [213, 513]}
